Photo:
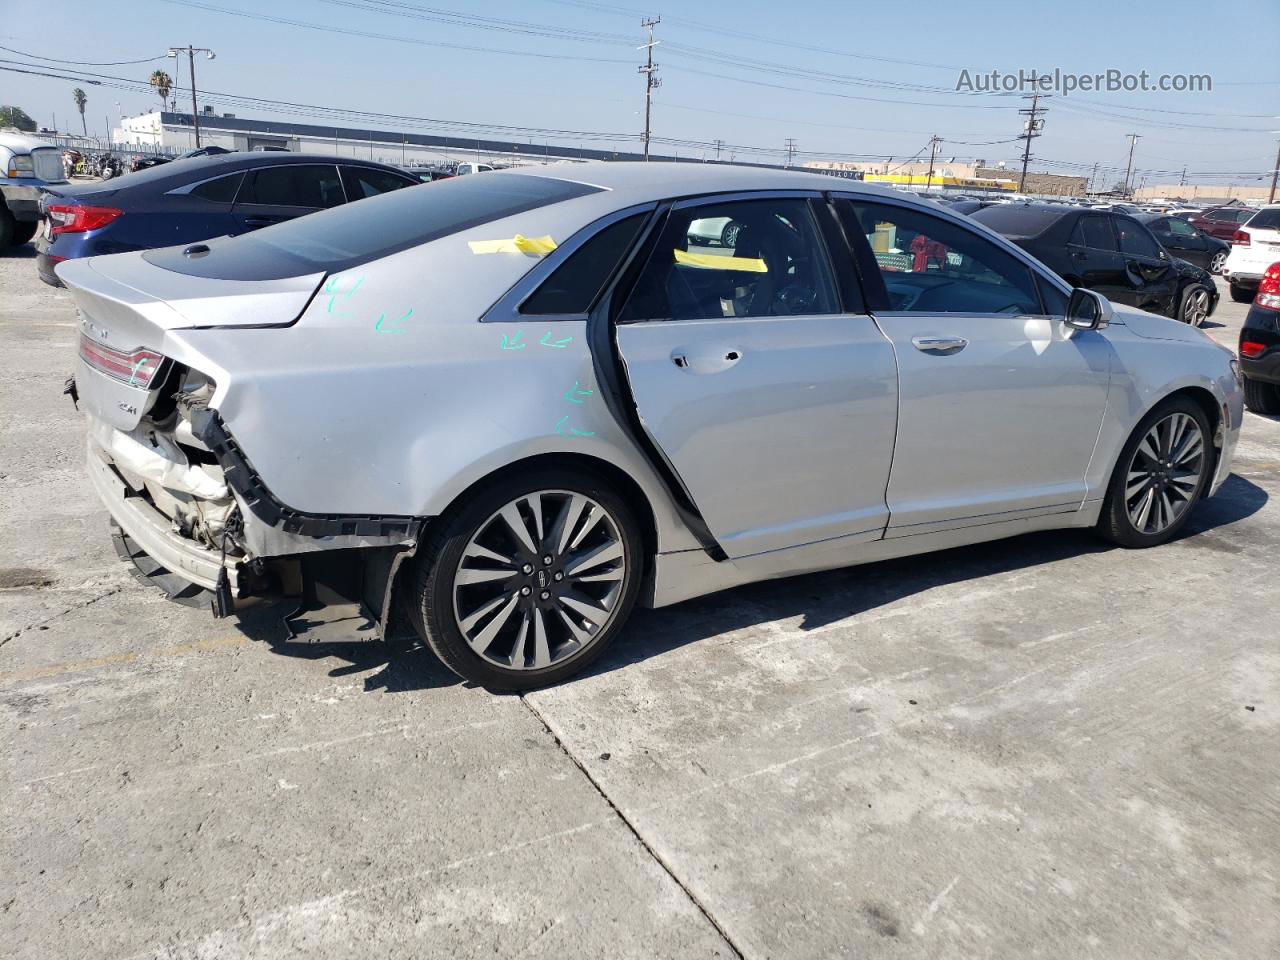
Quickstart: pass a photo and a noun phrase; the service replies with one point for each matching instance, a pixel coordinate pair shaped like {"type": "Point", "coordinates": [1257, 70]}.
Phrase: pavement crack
{"type": "Point", "coordinates": [635, 832]}
{"type": "Point", "coordinates": [47, 620]}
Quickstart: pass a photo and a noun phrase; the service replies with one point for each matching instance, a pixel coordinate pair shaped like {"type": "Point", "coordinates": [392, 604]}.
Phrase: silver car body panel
{"type": "Point", "coordinates": [387, 395]}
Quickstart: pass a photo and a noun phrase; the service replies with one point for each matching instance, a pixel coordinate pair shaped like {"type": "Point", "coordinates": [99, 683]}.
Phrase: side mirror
{"type": "Point", "coordinates": [1088, 310]}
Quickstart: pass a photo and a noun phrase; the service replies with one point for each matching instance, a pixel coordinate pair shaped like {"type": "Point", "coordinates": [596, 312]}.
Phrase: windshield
{"type": "Point", "coordinates": [356, 233]}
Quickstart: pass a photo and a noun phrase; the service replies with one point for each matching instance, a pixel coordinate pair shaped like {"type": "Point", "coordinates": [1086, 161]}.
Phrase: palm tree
{"type": "Point", "coordinates": [79, 97]}
{"type": "Point", "coordinates": [163, 84]}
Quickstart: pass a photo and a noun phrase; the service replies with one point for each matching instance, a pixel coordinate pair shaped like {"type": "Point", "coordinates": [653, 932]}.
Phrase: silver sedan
{"type": "Point", "coordinates": [517, 404]}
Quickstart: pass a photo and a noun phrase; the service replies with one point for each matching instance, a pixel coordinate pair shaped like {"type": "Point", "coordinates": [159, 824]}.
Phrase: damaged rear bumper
{"type": "Point", "coordinates": [153, 531]}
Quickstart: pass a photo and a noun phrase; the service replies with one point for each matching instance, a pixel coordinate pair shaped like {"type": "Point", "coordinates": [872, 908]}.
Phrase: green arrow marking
{"type": "Point", "coordinates": [575, 394]}
{"type": "Point", "coordinates": [514, 343]}
{"type": "Point", "coordinates": [382, 318]}
{"type": "Point", "coordinates": [136, 367]}
{"type": "Point", "coordinates": [559, 344]}
{"type": "Point", "coordinates": [571, 431]}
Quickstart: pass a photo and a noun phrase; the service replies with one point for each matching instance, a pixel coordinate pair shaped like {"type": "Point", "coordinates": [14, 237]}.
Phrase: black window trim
{"type": "Point", "coordinates": [506, 309]}
{"type": "Point", "coordinates": [874, 288]}
{"type": "Point", "coordinates": [276, 166]}
{"type": "Point", "coordinates": [186, 188]}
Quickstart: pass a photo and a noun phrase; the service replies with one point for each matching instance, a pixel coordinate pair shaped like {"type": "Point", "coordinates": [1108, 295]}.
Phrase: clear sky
{"type": "Point", "coordinates": [847, 78]}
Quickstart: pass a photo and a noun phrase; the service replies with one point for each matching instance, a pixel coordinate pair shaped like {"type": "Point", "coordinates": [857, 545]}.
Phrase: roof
{"type": "Point", "coordinates": [660, 179]}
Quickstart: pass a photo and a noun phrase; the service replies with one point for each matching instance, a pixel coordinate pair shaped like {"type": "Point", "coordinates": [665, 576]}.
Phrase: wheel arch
{"type": "Point", "coordinates": [624, 484]}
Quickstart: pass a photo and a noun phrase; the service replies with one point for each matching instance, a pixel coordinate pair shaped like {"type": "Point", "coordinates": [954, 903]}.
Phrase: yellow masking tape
{"type": "Point", "coordinates": [709, 261]}
{"type": "Point", "coordinates": [535, 246]}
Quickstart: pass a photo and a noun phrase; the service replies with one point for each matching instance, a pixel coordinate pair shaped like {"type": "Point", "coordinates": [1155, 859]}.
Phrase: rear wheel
{"type": "Point", "coordinates": [530, 580]}
{"type": "Point", "coordinates": [1241, 294]}
{"type": "Point", "coordinates": [1261, 397]}
{"type": "Point", "coordinates": [1163, 470]}
{"type": "Point", "coordinates": [7, 225]}
{"type": "Point", "coordinates": [1195, 306]}
{"type": "Point", "coordinates": [23, 232]}
{"type": "Point", "coordinates": [1219, 258]}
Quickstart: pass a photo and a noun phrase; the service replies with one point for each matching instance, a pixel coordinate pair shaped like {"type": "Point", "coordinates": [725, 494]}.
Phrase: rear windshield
{"type": "Point", "coordinates": [358, 232]}
{"type": "Point", "coordinates": [1268, 219]}
{"type": "Point", "coordinates": [1013, 220]}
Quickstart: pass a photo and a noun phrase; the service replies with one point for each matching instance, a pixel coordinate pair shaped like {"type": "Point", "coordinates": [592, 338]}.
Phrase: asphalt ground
{"type": "Point", "coordinates": [1044, 747]}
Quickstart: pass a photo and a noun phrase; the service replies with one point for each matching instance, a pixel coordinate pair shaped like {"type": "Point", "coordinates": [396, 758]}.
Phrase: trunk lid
{"type": "Point", "coordinates": [128, 305]}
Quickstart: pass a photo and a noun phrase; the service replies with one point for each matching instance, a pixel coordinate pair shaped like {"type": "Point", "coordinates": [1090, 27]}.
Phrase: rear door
{"type": "Point", "coordinates": [1263, 229]}
{"type": "Point", "coordinates": [758, 374]}
{"type": "Point", "coordinates": [1000, 403]}
{"type": "Point", "coordinates": [277, 193]}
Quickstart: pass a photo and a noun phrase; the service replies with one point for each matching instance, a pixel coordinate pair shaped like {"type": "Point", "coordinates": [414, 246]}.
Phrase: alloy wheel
{"type": "Point", "coordinates": [1197, 309]}
{"type": "Point", "coordinates": [1164, 473]}
{"type": "Point", "coordinates": [540, 580]}
{"type": "Point", "coordinates": [1219, 258]}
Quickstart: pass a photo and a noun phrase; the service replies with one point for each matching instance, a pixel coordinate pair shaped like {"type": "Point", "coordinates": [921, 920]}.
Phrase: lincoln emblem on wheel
{"type": "Point", "coordinates": [773, 372]}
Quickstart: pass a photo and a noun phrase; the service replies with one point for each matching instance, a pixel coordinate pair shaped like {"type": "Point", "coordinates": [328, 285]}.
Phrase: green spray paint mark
{"type": "Point", "coordinates": [575, 395]}
{"type": "Point", "coordinates": [382, 319]}
{"type": "Point", "coordinates": [331, 288]}
{"type": "Point", "coordinates": [571, 432]}
{"type": "Point", "coordinates": [514, 343]}
{"type": "Point", "coordinates": [136, 367]}
{"type": "Point", "coordinates": [559, 344]}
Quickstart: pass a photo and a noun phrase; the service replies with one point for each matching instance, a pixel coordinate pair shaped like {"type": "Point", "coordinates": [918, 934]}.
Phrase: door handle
{"type": "Point", "coordinates": [946, 345]}
{"type": "Point", "coordinates": [705, 363]}
{"type": "Point", "coordinates": [261, 221]}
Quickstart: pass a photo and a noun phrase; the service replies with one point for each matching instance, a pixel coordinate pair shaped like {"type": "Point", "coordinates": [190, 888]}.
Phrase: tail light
{"type": "Point", "coordinates": [1252, 349]}
{"type": "Point", "coordinates": [65, 218]}
{"type": "Point", "coordinates": [137, 369]}
{"type": "Point", "coordinates": [1268, 296]}
{"type": "Point", "coordinates": [1241, 238]}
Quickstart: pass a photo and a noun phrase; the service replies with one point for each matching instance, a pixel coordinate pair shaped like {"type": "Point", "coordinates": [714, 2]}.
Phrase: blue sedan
{"type": "Point", "coordinates": [198, 199]}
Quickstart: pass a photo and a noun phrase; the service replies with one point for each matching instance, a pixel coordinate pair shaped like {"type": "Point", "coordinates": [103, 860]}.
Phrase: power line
{"type": "Point", "coordinates": [86, 63]}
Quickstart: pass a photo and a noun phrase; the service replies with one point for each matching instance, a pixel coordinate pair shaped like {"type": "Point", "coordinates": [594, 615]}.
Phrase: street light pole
{"type": "Point", "coordinates": [1275, 171]}
{"type": "Point", "coordinates": [191, 61]}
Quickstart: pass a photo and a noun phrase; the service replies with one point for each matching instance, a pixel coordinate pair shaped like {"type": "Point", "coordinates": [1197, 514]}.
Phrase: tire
{"type": "Point", "coordinates": [1262, 397]}
{"type": "Point", "coordinates": [1194, 308]}
{"type": "Point", "coordinates": [1241, 294]}
{"type": "Point", "coordinates": [729, 234]}
{"type": "Point", "coordinates": [1168, 490]}
{"type": "Point", "coordinates": [23, 232]}
{"type": "Point", "coordinates": [512, 586]}
{"type": "Point", "coordinates": [1215, 265]}
{"type": "Point", "coordinates": [7, 225]}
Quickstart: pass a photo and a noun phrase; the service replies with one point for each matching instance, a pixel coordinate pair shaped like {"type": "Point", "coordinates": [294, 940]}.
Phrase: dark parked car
{"type": "Point", "coordinates": [146, 163]}
{"type": "Point", "coordinates": [199, 199]}
{"type": "Point", "coordinates": [1222, 222]}
{"type": "Point", "coordinates": [968, 206]}
{"type": "Point", "coordinates": [1187, 241]}
{"type": "Point", "coordinates": [1260, 346]}
{"type": "Point", "coordinates": [1109, 252]}
{"type": "Point", "coordinates": [210, 151]}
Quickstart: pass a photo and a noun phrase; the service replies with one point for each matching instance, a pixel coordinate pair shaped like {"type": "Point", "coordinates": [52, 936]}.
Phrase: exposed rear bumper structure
{"type": "Point", "coordinates": [152, 531]}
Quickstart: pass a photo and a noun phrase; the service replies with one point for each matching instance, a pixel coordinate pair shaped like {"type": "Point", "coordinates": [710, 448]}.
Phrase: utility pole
{"type": "Point", "coordinates": [1133, 142]}
{"type": "Point", "coordinates": [1092, 177]}
{"type": "Point", "coordinates": [934, 142]}
{"type": "Point", "coordinates": [1031, 128]}
{"type": "Point", "coordinates": [1182, 181]}
{"type": "Point", "coordinates": [1274, 172]}
{"type": "Point", "coordinates": [651, 79]}
{"type": "Point", "coordinates": [191, 52]}
{"type": "Point", "coordinates": [791, 151]}
{"type": "Point", "coordinates": [719, 146]}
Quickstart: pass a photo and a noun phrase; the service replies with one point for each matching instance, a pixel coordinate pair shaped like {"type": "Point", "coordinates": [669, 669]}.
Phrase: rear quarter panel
{"type": "Point", "coordinates": [389, 396]}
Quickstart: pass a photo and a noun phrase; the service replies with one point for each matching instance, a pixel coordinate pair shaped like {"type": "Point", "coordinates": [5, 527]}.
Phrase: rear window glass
{"type": "Point", "coordinates": [1266, 220]}
{"type": "Point", "coordinates": [221, 190]}
{"type": "Point", "coordinates": [356, 233]}
{"type": "Point", "coordinates": [572, 287]}
{"type": "Point", "coordinates": [1017, 221]}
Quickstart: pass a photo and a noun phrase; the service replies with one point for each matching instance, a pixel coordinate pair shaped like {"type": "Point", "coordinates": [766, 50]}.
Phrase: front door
{"type": "Point", "coordinates": [763, 382]}
{"type": "Point", "coordinates": [1148, 268]}
{"type": "Point", "coordinates": [1000, 403]}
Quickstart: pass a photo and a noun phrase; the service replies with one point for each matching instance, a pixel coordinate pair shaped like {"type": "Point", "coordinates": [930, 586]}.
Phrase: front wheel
{"type": "Point", "coordinates": [1195, 306]}
{"type": "Point", "coordinates": [530, 580]}
{"type": "Point", "coordinates": [1163, 470]}
{"type": "Point", "coordinates": [1219, 258]}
